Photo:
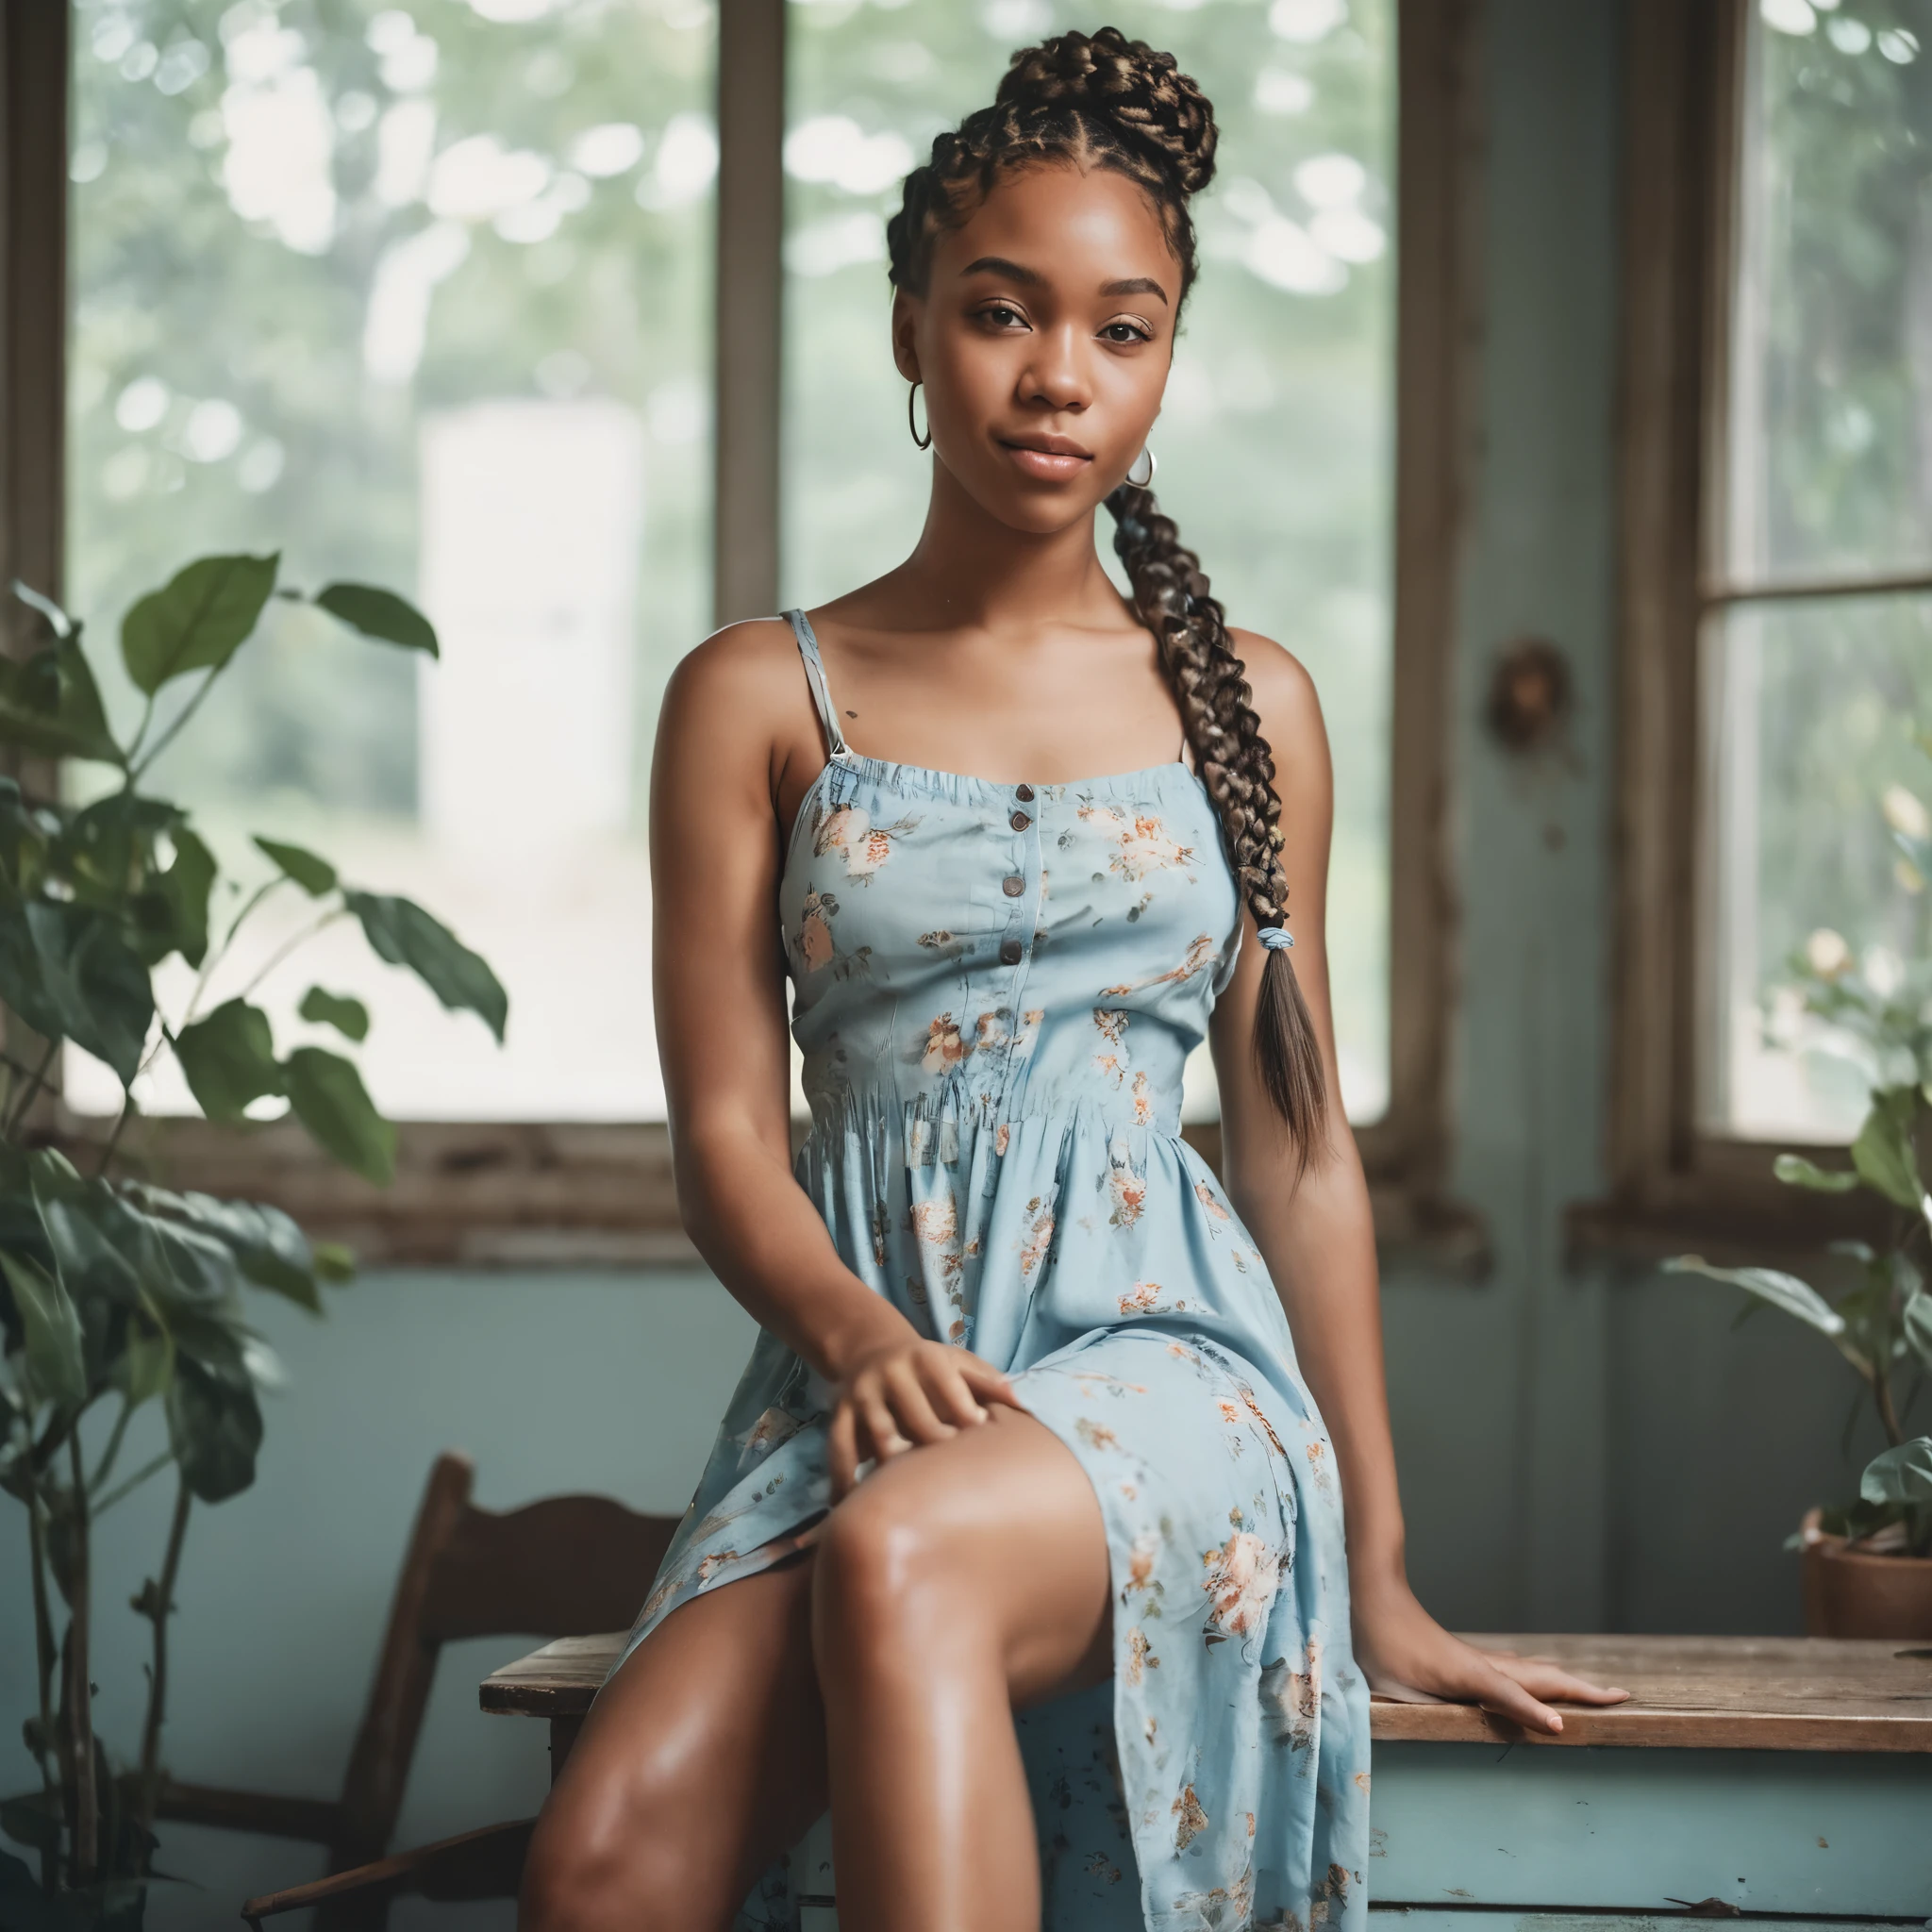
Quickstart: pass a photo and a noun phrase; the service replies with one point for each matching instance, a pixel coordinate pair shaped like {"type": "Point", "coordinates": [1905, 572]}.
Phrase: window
{"type": "Point", "coordinates": [1277, 440]}
{"type": "Point", "coordinates": [506, 304]}
{"type": "Point", "coordinates": [1777, 571]}
{"type": "Point", "coordinates": [1820, 634]}
{"type": "Point", "coordinates": [417, 296]}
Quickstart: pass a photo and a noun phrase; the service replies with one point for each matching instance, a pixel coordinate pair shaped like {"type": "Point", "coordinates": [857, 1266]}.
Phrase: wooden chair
{"type": "Point", "coordinates": [570, 1566]}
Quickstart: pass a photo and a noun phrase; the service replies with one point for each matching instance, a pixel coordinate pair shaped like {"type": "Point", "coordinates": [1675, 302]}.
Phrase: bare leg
{"type": "Point", "coordinates": [702, 1760]}
{"type": "Point", "coordinates": [956, 1582]}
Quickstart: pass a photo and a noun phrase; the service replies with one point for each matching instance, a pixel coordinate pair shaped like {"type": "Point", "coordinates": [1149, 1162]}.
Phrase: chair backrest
{"type": "Point", "coordinates": [570, 1566]}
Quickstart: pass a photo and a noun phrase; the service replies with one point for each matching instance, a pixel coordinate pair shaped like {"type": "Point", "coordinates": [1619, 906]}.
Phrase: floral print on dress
{"type": "Point", "coordinates": [995, 1073]}
{"type": "Point", "coordinates": [1142, 842]}
{"type": "Point", "coordinates": [848, 830]}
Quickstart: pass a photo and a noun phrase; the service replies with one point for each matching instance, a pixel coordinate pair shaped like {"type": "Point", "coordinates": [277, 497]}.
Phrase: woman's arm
{"type": "Point", "coordinates": [1318, 1241]}
{"type": "Point", "coordinates": [729, 714]}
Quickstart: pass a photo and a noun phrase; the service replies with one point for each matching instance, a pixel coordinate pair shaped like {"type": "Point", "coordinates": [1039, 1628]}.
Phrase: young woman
{"type": "Point", "coordinates": [1025, 1429]}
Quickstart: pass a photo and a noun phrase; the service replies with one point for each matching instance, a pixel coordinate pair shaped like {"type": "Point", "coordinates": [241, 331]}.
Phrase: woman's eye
{"type": "Point", "coordinates": [1124, 332]}
{"type": "Point", "coordinates": [1001, 316]}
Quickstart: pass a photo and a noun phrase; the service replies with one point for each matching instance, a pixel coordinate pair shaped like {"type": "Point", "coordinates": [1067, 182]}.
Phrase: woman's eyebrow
{"type": "Point", "coordinates": [999, 265]}
{"type": "Point", "coordinates": [1015, 272]}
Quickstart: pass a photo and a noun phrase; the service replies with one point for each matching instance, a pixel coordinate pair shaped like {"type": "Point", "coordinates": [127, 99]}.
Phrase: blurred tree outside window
{"type": "Point", "coordinates": [1277, 440]}
{"type": "Point", "coordinates": [418, 296]}
{"type": "Point", "coordinates": [1818, 644]}
{"type": "Point", "coordinates": [422, 296]}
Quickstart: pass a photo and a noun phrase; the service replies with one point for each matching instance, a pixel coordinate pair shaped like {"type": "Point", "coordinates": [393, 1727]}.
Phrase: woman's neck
{"type": "Point", "coordinates": [969, 570]}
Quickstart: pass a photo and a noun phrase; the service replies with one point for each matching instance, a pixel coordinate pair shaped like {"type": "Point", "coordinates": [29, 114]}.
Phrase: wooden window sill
{"type": "Point", "coordinates": [582, 1194]}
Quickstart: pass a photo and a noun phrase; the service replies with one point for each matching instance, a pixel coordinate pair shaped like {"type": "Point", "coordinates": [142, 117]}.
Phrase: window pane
{"type": "Point", "coordinates": [1276, 439]}
{"type": "Point", "coordinates": [419, 298]}
{"type": "Point", "coordinates": [1816, 702]}
{"type": "Point", "coordinates": [1831, 437]}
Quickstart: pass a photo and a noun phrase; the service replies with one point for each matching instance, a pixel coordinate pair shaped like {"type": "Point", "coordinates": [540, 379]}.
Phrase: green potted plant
{"type": "Point", "coordinates": [116, 1292]}
{"type": "Point", "coordinates": [1868, 1563]}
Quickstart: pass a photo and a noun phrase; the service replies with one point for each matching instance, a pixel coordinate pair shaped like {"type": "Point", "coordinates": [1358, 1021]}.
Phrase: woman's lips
{"type": "Point", "coordinates": [1055, 462]}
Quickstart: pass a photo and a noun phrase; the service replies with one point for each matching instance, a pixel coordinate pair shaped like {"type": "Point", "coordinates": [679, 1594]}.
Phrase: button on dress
{"type": "Point", "coordinates": [994, 1007]}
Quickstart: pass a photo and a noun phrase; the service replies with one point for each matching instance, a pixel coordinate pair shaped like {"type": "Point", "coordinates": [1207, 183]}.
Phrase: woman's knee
{"type": "Point", "coordinates": [881, 1578]}
{"type": "Point", "coordinates": [609, 1853]}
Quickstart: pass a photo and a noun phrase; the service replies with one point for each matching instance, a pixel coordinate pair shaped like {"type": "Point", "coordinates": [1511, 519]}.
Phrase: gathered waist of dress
{"type": "Point", "coordinates": [937, 1128]}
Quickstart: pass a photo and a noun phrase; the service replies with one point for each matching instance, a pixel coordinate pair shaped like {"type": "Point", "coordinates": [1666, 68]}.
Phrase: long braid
{"type": "Point", "coordinates": [1104, 101]}
{"type": "Point", "coordinates": [1237, 764]}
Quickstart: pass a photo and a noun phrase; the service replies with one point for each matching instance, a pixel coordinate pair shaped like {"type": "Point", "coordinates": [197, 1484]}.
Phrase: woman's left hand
{"type": "Point", "coordinates": [1404, 1652]}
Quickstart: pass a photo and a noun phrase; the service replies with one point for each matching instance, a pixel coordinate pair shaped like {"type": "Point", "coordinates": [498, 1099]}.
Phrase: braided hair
{"type": "Point", "coordinates": [1103, 101]}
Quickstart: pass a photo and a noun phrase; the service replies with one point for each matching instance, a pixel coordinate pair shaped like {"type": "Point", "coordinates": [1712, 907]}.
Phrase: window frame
{"type": "Point", "coordinates": [532, 1193]}
{"type": "Point", "coordinates": [1672, 1179]}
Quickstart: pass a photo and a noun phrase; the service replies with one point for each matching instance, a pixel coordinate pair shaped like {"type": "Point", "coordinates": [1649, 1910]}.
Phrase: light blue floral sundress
{"type": "Point", "coordinates": [995, 988]}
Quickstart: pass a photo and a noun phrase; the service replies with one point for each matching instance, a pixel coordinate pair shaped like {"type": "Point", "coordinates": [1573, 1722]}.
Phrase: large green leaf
{"type": "Point", "coordinates": [21, 984]}
{"type": "Point", "coordinates": [379, 614]}
{"type": "Point", "coordinates": [1883, 1153]}
{"type": "Point", "coordinates": [1770, 1285]}
{"type": "Point", "coordinates": [71, 1212]}
{"type": "Point", "coordinates": [198, 621]}
{"type": "Point", "coordinates": [405, 935]}
{"type": "Point", "coordinates": [1900, 1475]}
{"type": "Point", "coordinates": [26, 835]}
{"type": "Point", "coordinates": [1918, 1326]}
{"type": "Point", "coordinates": [329, 1098]}
{"type": "Point", "coordinates": [50, 704]}
{"type": "Point", "coordinates": [146, 1363]}
{"type": "Point", "coordinates": [52, 1329]}
{"type": "Point", "coordinates": [185, 887]}
{"type": "Point", "coordinates": [109, 849]}
{"type": "Point", "coordinates": [109, 1249]}
{"type": "Point", "coordinates": [1796, 1171]}
{"type": "Point", "coordinates": [59, 623]}
{"type": "Point", "coordinates": [214, 1428]}
{"type": "Point", "coordinates": [229, 1059]}
{"type": "Point", "coordinates": [349, 1017]}
{"type": "Point", "coordinates": [270, 1251]}
{"type": "Point", "coordinates": [315, 875]}
{"type": "Point", "coordinates": [94, 982]}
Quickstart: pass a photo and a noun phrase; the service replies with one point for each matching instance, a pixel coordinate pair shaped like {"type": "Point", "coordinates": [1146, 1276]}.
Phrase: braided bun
{"type": "Point", "coordinates": [1139, 90]}
{"type": "Point", "coordinates": [1104, 101]}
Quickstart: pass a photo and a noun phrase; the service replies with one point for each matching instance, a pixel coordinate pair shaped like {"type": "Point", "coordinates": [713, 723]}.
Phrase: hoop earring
{"type": "Point", "coordinates": [917, 442]}
{"type": "Point", "coordinates": [1146, 482]}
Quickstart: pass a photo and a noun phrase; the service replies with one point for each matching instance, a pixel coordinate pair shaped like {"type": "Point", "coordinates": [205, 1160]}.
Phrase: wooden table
{"type": "Point", "coordinates": [1785, 1776]}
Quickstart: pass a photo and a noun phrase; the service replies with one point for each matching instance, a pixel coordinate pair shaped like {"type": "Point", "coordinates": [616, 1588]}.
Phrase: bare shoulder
{"type": "Point", "coordinates": [737, 706]}
{"type": "Point", "coordinates": [1286, 700]}
{"type": "Point", "coordinates": [749, 666]}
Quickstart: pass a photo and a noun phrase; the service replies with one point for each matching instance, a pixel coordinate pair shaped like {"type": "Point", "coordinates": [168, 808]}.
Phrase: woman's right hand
{"type": "Point", "coordinates": [898, 1390]}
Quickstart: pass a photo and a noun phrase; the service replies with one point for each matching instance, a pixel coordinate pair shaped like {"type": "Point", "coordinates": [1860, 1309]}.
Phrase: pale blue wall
{"type": "Point", "coordinates": [567, 1381]}
{"type": "Point", "coordinates": [1580, 1447]}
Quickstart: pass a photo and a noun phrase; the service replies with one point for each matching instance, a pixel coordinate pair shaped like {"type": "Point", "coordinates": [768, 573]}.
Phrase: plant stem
{"type": "Point", "coordinates": [1888, 1415]}
{"type": "Point", "coordinates": [147, 718]}
{"type": "Point", "coordinates": [126, 1113]}
{"type": "Point", "coordinates": [57, 1432]}
{"type": "Point", "coordinates": [139, 770]}
{"type": "Point", "coordinates": [134, 1482]}
{"type": "Point", "coordinates": [104, 1466]}
{"type": "Point", "coordinates": [76, 1692]}
{"type": "Point", "coordinates": [290, 945]}
{"type": "Point", "coordinates": [36, 1080]}
{"type": "Point", "coordinates": [215, 958]}
{"type": "Point", "coordinates": [159, 1611]}
{"type": "Point", "coordinates": [47, 1655]}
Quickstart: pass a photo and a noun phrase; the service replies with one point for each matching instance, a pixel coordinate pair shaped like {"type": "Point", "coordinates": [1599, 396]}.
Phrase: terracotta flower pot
{"type": "Point", "coordinates": [1851, 1592]}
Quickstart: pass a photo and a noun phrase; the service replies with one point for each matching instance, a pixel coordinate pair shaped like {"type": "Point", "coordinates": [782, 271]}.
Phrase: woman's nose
{"type": "Point", "coordinates": [1057, 374]}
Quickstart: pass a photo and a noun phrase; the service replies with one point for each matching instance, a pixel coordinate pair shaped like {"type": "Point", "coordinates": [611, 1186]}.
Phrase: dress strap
{"type": "Point", "coordinates": [815, 676]}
